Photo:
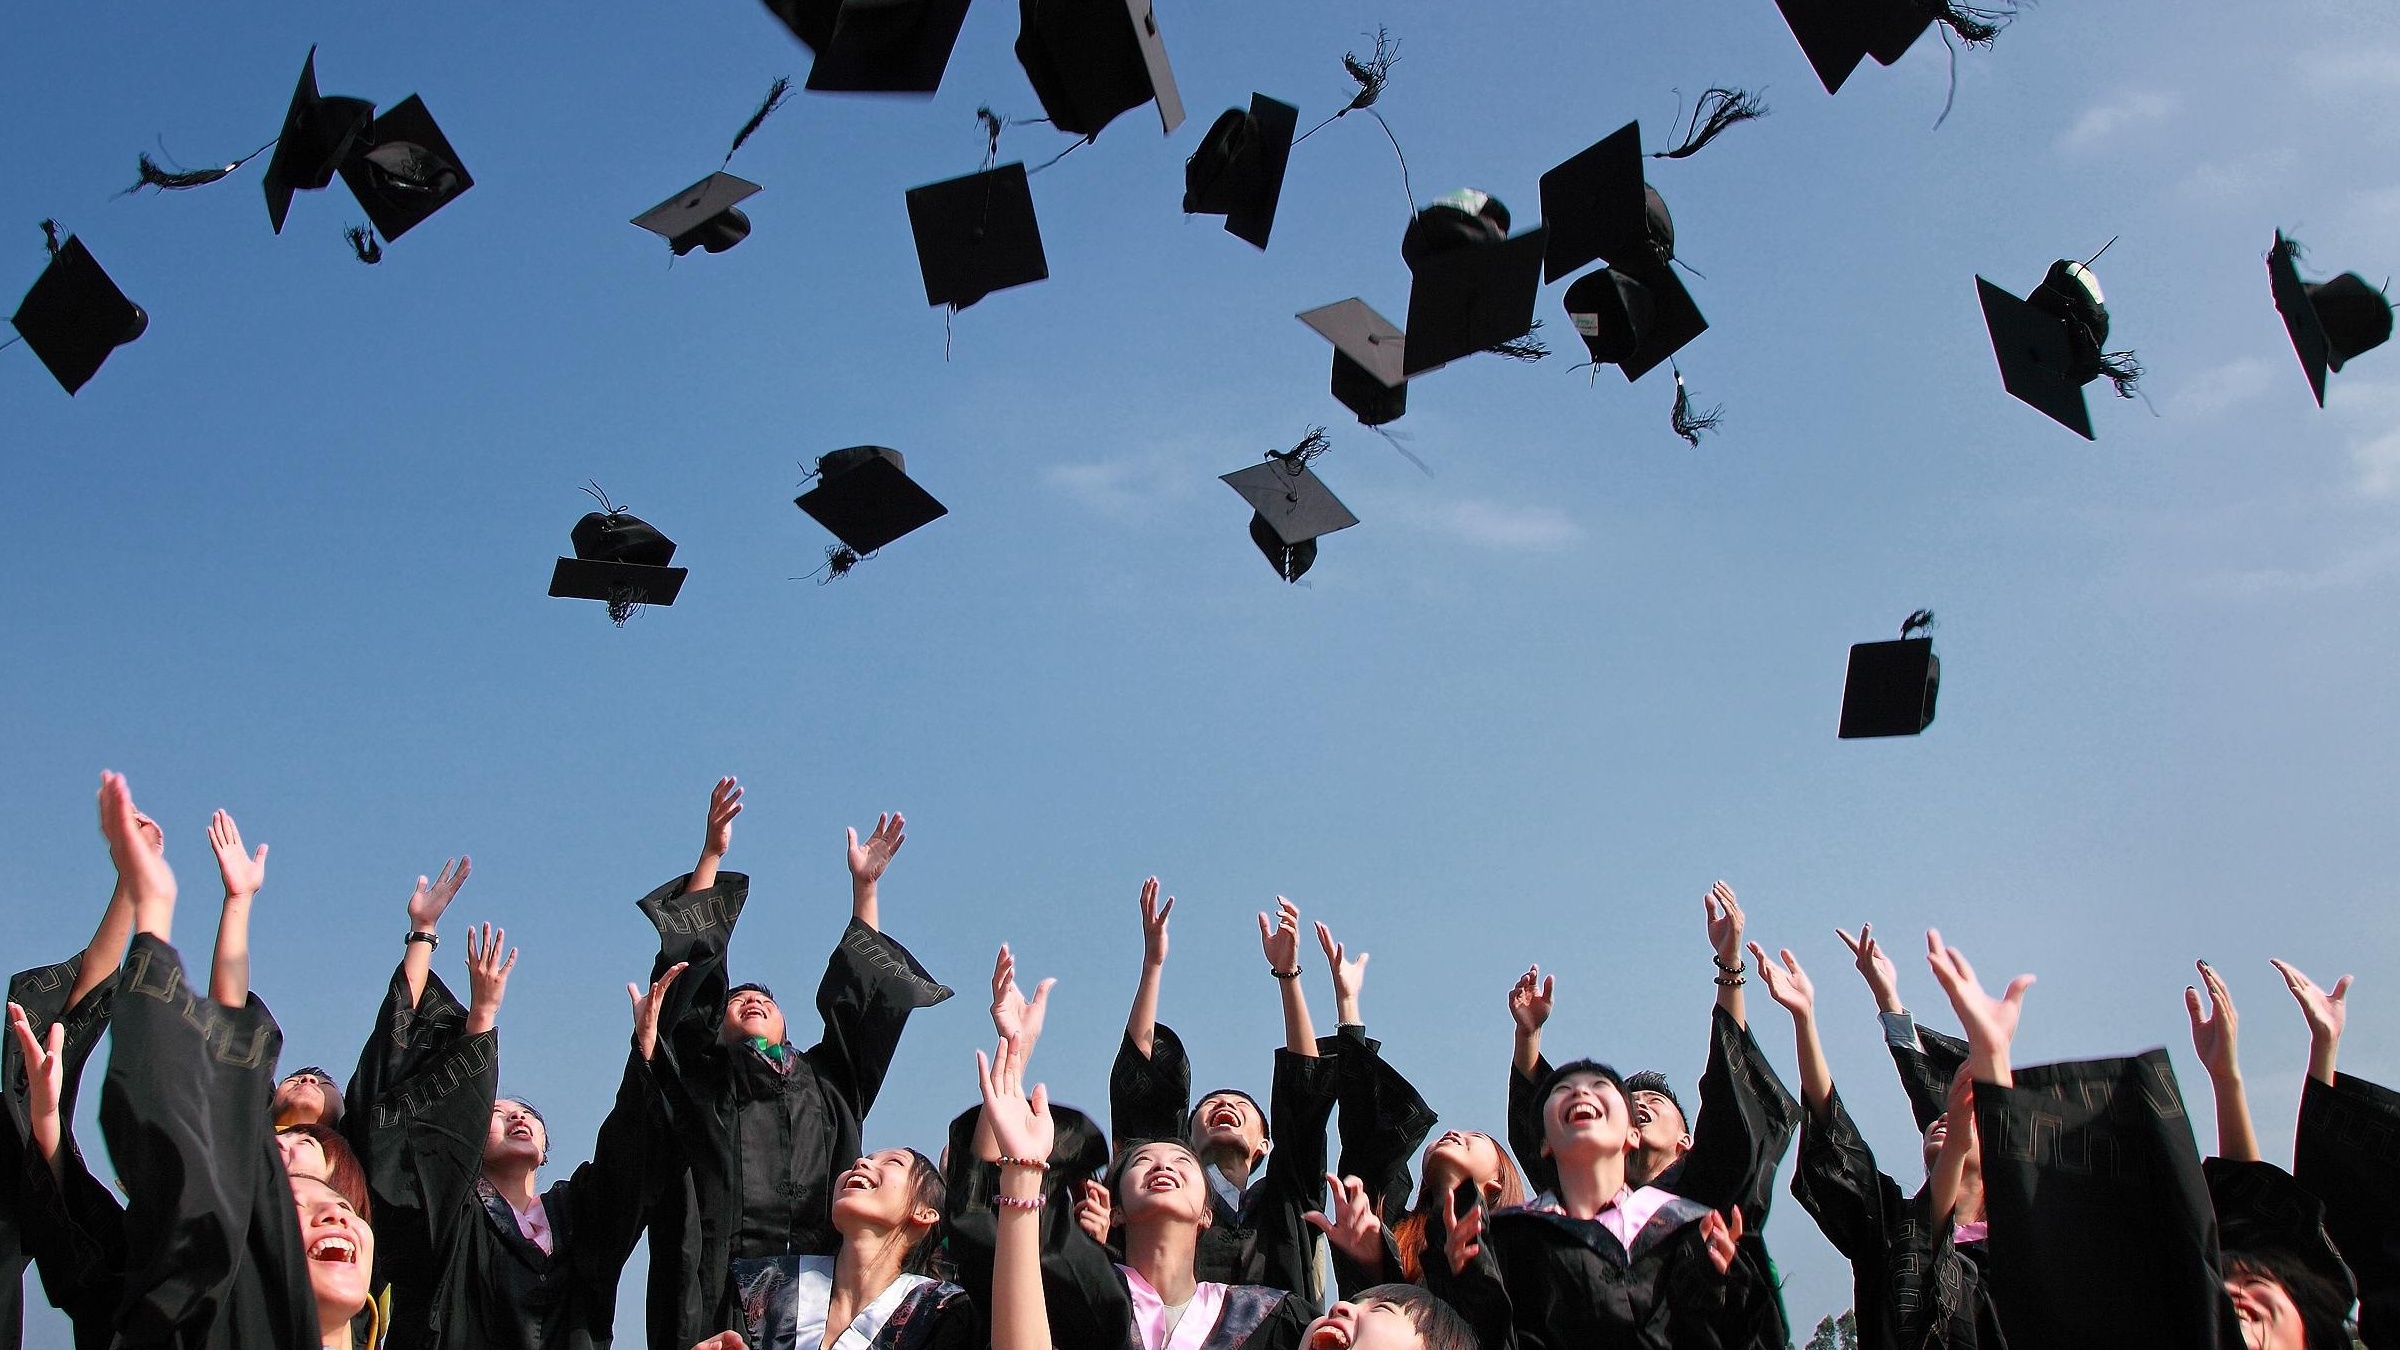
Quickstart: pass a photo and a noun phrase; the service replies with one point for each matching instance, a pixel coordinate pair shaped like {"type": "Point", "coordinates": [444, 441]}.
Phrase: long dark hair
{"type": "Point", "coordinates": [1409, 1235]}
{"type": "Point", "coordinates": [927, 1255]}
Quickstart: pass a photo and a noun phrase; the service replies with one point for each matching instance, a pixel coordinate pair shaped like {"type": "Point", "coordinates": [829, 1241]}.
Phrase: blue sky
{"type": "Point", "coordinates": [287, 553]}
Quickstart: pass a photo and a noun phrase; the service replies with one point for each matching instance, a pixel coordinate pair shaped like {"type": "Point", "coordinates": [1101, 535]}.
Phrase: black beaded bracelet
{"type": "Point", "coordinates": [1735, 969]}
{"type": "Point", "coordinates": [1291, 974]}
{"type": "Point", "coordinates": [1732, 981]}
{"type": "Point", "coordinates": [429, 939]}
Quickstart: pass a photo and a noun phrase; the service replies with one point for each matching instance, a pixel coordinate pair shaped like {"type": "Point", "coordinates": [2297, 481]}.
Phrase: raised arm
{"type": "Point", "coordinates": [2213, 1040]}
{"type": "Point", "coordinates": [1724, 915]}
{"type": "Point", "coordinates": [142, 872]}
{"type": "Point", "coordinates": [45, 1079]}
{"type": "Point", "coordinates": [106, 951]}
{"type": "Point", "coordinates": [1529, 1005]}
{"type": "Point", "coordinates": [1349, 979]}
{"type": "Point", "coordinates": [1017, 1020]}
{"type": "Point", "coordinates": [724, 803]}
{"type": "Point", "coordinates": [1022, 1133]}
{"type": "Point", "coordinates": [425, 907]}
{"type": "Point", "coordinates": [1141, 1024]}
{"type": "Point", "coordinates": [487, 977]}
{"type": "Point", "coordinates": [229, 972]}
{"type": "Point", "coordinates": [867, 862]}
{"type": "Point", "coordinates": [645, 1011]}
{"type": "Point", "coordinates": [1280, 940]}
{"type": "Point", "coordinates": [1789, 985]}
{"type": "Point", "coordinates": [2326, 1014]}
{"type": "Point", "coordinates": [1990, 1023]}
{"type": "Point", "coordinates": [1383, 1118]}
{"type": "Point", "coordinates": [1960, 1142]}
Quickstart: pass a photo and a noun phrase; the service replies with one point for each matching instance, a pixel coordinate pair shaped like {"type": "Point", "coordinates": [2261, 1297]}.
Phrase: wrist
{"type": "Point", "coordinates": [1890, 1004]}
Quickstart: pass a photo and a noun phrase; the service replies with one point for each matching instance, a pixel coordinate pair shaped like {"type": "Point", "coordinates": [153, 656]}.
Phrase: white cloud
{"type": "Point", "coordinates": [2242, 177]}
{"type": "Point", "coordinates": [2104, 122]}
{"type": "Point", "coordinates": [1488, 524]}
{"type": "Point", "coordinates": [1125, 489]}
{"type": "Point", "coordinates": [2222, 387]}
{"type": "Point", "coordinates": [2373, 411]}
{"type": "Point", "coordinates": [2350, 69]}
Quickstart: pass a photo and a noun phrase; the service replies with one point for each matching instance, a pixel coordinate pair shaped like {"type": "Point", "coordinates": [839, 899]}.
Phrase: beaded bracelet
{"type": "Point", "coordinates": [1034, 1164]}
{"type": "Point", "coordinates": [429, 939]}
{"type": "Point", "coordinates": [1292, 974]}
{"type": "Point", "coordinates": [1736, 968]}
{"type": "Point", "coordinates": [1012, 1202]}
{"type": "Point", "coordinates": [1732, 981]}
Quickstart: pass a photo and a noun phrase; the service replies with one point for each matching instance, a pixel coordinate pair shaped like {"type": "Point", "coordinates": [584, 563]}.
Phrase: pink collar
{"type": "Point", "coordinates": [1150, 1313]}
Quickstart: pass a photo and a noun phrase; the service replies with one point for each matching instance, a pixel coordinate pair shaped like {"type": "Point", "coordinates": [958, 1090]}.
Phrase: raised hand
{"type": "Point", "coordinates": [2326, 1014]}
{"type": "Point", "coordinates": [243, 873]}
{"type": "Point", "coordinates": [1723, 1238]}
{"type": "Point", "coordinates": [142, 871]}
{"type": "Point", "coordinates": [1532, 997]}
{"type": "Point", "coordinates": [487, 976]}
{"type": "Point", "coordinates": [1020, 1124]}
{"type": "Point", "coordinates": [1724, 915]}
{"type": "Point", "coordinates": [868, 860]}
{"type": "Point", "coordinates": [1465, 1239]}
{"type": "Point", "coordinates": [1348, 977]}
{"type": "Point", "coordinates": [1016, 1018]}
{"type": "Point", "coordinates": [1876, 968]}
{"type": "Point", "coordinates": [646, 1006]}
{"type": "Point", "coordinates": [1154, 924]}
{"type": "Point", "coordinates": [1990, 1023]}
{"type": "Point", "coordinates": [1281, 939]}
{"type": "Point", "coordinates": [1787, 983]}
{"type": "Point", "coordinates": [1093, 1211]}
{"type": "Point", "coordinates": [45, 1079]}
{"type": "Point", "coordinates": [2213, 1031]}
{"type": "Point", "coordinates": [427, 903]}
{"type": "Point", "coordinates": [1348, 1220]}
{"type": "Point", "coordinates": [724, 803]}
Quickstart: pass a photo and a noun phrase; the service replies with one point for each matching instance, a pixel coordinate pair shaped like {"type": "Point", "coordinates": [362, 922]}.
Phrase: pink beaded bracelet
{"type": "Point", "coordinates": [1012, 1202]}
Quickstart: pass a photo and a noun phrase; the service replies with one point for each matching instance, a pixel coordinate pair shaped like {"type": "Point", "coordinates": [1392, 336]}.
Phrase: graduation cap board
{"type": "Point", "coordinates": [74, 316]}
{"type": "Point", "coordinates": [702, 216]}
{"type": "Point", "coordinates": [1369, 359]}
{"type": "Point", "coordinates": [1891, 686]}
{"type": "Point", "coordinates": [1835, 35]}
{"type": "Point", "coordinates": [1092, 59]}
{"type": "Point", "coordinates": [1465, 300]}
{"type": "Point", "coordinates": [2329, 322]}
{"type": "Point", "coordinates": [620, 559]}
{"type": "Point", "coordinates": [865, 497]}
{"type": "Point", "coordinates": [1239, 168]}
{"type": "Point", "coordinates": [2037, 357]}
{"type": "Point", "coordinates": [318, 136]}
{"type": "Point", "coordinates": [875, 46]}
{"type": "Point", "coordinates": [402, 169]}
{"type": "Point", "coordinates": [1291, 508]}
{"type": "Point", "coordinates": [1598, 205]}
{"type": "Point", "coordinates": [976, 235]}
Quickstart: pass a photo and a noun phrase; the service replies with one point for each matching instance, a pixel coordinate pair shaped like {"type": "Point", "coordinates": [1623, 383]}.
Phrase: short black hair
{"type": "Point", "coordinates": [1118, 1164]}
{"type": "Point", "coordinates": [1437, 1323]}
{"type": "Point", "coordinates": [2321, 1303]}
{"type": "Point", "coordinates": [1575, 1066]}
{"type": "Point", "coordinates": [1266, 1124]}
{"type": "Point", "coordinates": [1651, 1080]}
{"type": "Point", "coordinates": [741, 989]}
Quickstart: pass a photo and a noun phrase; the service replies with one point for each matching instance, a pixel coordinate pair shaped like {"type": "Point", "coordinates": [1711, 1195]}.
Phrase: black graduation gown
{"type": "Point", "coordinates": [213, 1249]}
{"type": "Point", "coordinates": [27, 1214]}
{"type": "Point", "coordinates": [403, 1042]}
{"type": "Point", "coordinates": [1264, 1241]}
{"type": "Point", "coordinates": [2102, 1233]}
{"type": "Point", "coordinates": [1926, 1069]}
{"type": "Point", "coordinates": [1545, 1281]}
{"type": "Point", "coordinates": [75, 1233]}
{"type": "Point", "coordinates": [763, 1145]}
{"type": "Point", "coordinates": [1912, 1286]}
{"type": "Point", "coordinates": [1383, 1120]}
{"type": "Point", "coordinates": [2347, 1154]}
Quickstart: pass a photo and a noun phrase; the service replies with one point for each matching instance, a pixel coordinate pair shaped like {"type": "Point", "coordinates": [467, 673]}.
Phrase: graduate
{"type": "Point", "coordinates": [1915, 1259]}
{"type": "Point", "coordinates": [2346, 1152]}
{"type": "Point", "coordinates": [1367, 1251]}
{"type": "Point", "coordinates": [1258, 1180]}
{"type": "Point", "coordinates": [766, 1129]}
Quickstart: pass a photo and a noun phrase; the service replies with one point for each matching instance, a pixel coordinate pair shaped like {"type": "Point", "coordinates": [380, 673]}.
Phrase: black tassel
{"type": "Point", "coordinates": [777, 94]}
{"type": "Point", "coordinates": [1975, 25]}
{"type": "Point", "coordinates": [2124, 371]}
{"type": "Point", "coordinates": [839, 559]}
{"type": "Point", "coordinates": [364, 244]}
{"type": "Point", "coordinates": [1526, 348]}
{"type": "Point", "coordinates": [1373, 73]}
{"type": "Point", "coordinates": [1689, 424]}
{"type": "Point", "coordinates": [622, 602]}
{"type": "Point", "coordinates": [50, 236]}
{"type": "Point", "coordinates": [1315, 443]}
{"type": "Point", "coordinates": [1717, 111]}
{"type": "Point", "coordinates": [1919, 622]}
{"type": "Point", "coordinates": [992, 123]}
{"type": "Point", "coordinates": [178, 180]}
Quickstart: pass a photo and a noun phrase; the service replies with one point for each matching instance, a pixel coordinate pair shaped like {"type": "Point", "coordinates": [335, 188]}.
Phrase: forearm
{"type": "Point", "coordinates": [1299, 1036]}
{"type": "Point", "coordinates": [1020, 1318]}
{"type": "Point", "coordinates": [1346, 1008]}
{"type": "Point", "coordinates": [1816, 1076]}
{"type": "Point", "coordinates": [2323, 1051]}
{"type": "Point", "coordinates": [864, 905]}
{"type": "Point", "coordinates": [416, 963]}
{"type": "Point", "coordinates": [229, 971]}
{"type": "Point", "coordinates": [2237, 1138]}
{"type": "Point", "coordinates": [107, 948]}
{"type": "Point", "coordinates": [1528, 1052]}
{"type": "Point", "coordinates": [704, 872]}
{"type": "Point", "coordinates": [1141, 1024]}
{"type": "Point", "coordinates": [482, 1018]}
{"type": "Point", "coordinates": [1949, 1172]}
{"type": "Point", "coordinates": [1989, 1064]}
{"type": "Point", "coordinates": [1729, 991]}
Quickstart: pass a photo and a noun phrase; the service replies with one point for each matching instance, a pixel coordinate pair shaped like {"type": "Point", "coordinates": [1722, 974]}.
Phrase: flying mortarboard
{"type": "Point", "coordinates": [1092, 59]}
{"type": "Point", "coordinates": [318, 135]}
{"type": "Point", "coordinates": [703, 216]}
{"type": "Point", "coordinates": [621, 559]}
{"type": "Point", "coordinates": [75, 316]}
{"type": "Point", "coordinates": [1473, 288]}
{"type": "Point", "coordinates": [2329, 322]}
{"type": "Point", "coordinates": [2050, 344]}
{"type": "Point", "coordinates": [403, 169]}
{"type": "Point", "coordinates": [865, 497]}
{"type": "Point", "coordinates": [1891, 686]}
{"type": "Point", "coordinates": [1836, 35]}
{"type": "Point", "coordinates": [976, 235]}
{"type": "Point", "coordinates": [1290, 506]}
{"type": "Point", "coordinates": [1369, 359]}
{"type": "Point", "coordinates": [875, 46]}
{"type": "Point", "coordinates": [1238, 170]}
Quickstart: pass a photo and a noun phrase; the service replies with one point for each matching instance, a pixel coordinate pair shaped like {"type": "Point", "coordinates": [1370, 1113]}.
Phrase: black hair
{"type": "Point", "coordinates": [2321, 1303]}
{"type": "Point", "coordinates": [1437, 1323]}
{"type": "Point", "coordinates": [1124, 1158]}
{"type": "Point", "coordinates": [741, 989]}
{"type": "Point", "coordinates": [1575, 1066]}
{"type": "Point", "coordinates": [927, 1190]}
{"type": "Point", "coordinates": [1651, 1080]}
{"type": "Point", "coordinates": [1266, 1127]}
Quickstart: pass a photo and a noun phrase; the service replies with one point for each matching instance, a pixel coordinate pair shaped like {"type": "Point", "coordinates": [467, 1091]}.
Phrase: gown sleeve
{"type": "Point", "coordinates": [1150, 1096]}
{"type": "Point", "coordinates": [2347, 1153]}
{"type": "Point", "coordinates": [1302, 1101]}
{"type": "Point", "coordinates": [1926, 1065]}
{"type": "Point", "coordinates": [871, 986]}
{"type": "Point", "coordinates": [1837, 1183]}
{"type": "Point", "coordinates": [75, 1233]}
{"type": "Point", "coordinates": [1086, 1298]}
{"type": "Point", "coordinates": [1383, 1119]}
{"type": "Point", "coordinates": [1745, 1125]}
{"type": "Point", "coordinates": [1525, 1128]}
{"type": "Point", "coordinates": [2101, 1228]}
{"type": "Point", "coordinates": [609, 1195]}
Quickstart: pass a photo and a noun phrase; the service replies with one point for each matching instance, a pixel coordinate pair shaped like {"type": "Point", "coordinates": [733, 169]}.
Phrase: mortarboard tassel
{"type": "Point", "coordinates": [178, 180]}
{"type": "Point", "coordinates": [50, 236]}
{"type": "Point", "coordinates": [1374, 72]}
{"type": "Point", "coordinates": [622, 602]}
{"type": "Point", "coordinates": [1975, 25]}
{"type": "Point", "coordinates": [1919, 622]}
{"type": "Point", "coordinates": [2124, 370]}
{"type": "Point", "coordinates": [839, 559]}
{"type": "Point", "coordinates": [1315, 443]}
{"type": "Point", "coordinates": [1527, 348]}
{"type": "Point", "coordinates": [1716, 112]}
{"type": "Point", "coordinates": [364, 244]}
{"type": "Point", "coordinates": [778, 94]}
{"type": "Point", "coordinates": [1687, 423]}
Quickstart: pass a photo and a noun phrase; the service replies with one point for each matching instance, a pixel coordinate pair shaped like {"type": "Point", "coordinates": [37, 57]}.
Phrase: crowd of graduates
{"type": "Point", "coordinates": [2063, 1205]}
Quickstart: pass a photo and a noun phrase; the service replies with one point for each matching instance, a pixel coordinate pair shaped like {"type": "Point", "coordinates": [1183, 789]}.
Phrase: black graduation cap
{"type": "Point", "coordinates": [2329, 321]}
{"type": "Point", "coordinates": [403, 169]}
{"type": "Point", "coordinates": [1092, 59]}
{"type": "Point", "coordinates": [75, 316]}
{"type": "Point", "coordinates": [621, 559]}
{"type": "Point", "coordinates": [1474, 287]}
{"type": "Point", "coordinates": [875, 46]}
{"type": "Point", "coordinates": [1836, 35]}
{"type": "Point", "coordinates": [976, 235]}
{"type": "Point", "coordinates": [318, 135]}
{"type": "Point", "coordinates": [866, 498]}
{"type": "Point", "coordinates": [1369, 359]}
{"type": "Point", "coordinates": [1599, 205]}
{"type": "Point", "coordinates": [1290, 506]}
{"type": "Point", "coordinates": [1891, 686]}
{"type": "Point", "coordinates": [702, 216]}
{"type": "Point", "coordinates": [1238, 170]}
{"type": "Point", "coordinates": [2050, 344]}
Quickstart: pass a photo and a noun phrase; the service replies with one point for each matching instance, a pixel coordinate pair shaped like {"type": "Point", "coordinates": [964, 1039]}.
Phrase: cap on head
{"type": "Point", "coordinates": [1239, 168]}
{"type": "Point", "coordinates": [74, 316]}
{"type": "Point", "coordinates": [1092, 59]}
{"type": "Point", "coordinates": [976, 235]}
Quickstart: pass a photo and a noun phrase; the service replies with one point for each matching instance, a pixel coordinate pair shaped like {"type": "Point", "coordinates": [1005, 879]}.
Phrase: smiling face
{"type": "Point", "coordinates": [1662, 1135]}
{"type": "Point", "coordinates": [340, 1249]}
{"type": "Point", "coordinates": [752, 1012]}
{"type": "Point", "coordinates": [879, 1193]}
{"type": "Point", "coordinates": [1369, 1324]}
{"type": "Point", "coordinates": [1229, 1123]}
{"type": "Point", "coordinates": [307, 1098]}
{"type": "Point", "coordinates": [517, 1137]}
{"type": "Point", "coordinates": [1161, 1183]}
{"type": "Point", "coordinates": [1464, 1155]}
{"type": "Point", "coordinates": [1585, 1117]}
{"type": "Point", "coordinates": [2269, 1319]}
{"type": "Point", "coordinates": [303, 1156]}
